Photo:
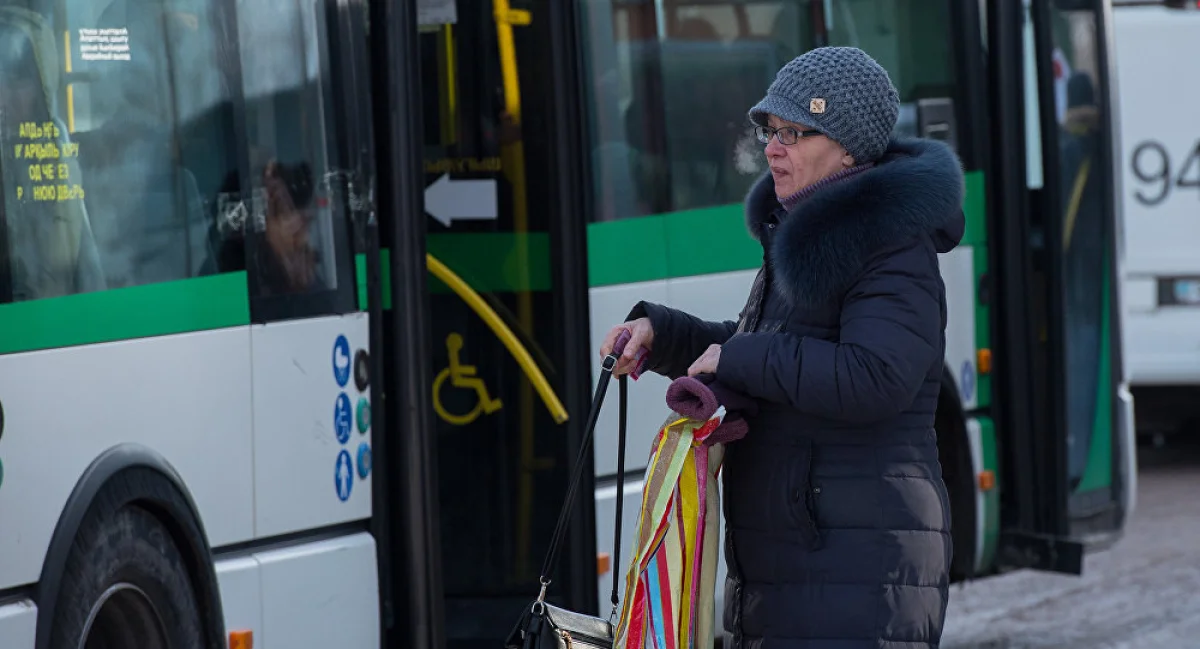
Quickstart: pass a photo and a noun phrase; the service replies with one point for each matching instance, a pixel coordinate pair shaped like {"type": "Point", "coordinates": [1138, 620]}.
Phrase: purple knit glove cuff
{"type": "Point", "coordinates": [693, 399]}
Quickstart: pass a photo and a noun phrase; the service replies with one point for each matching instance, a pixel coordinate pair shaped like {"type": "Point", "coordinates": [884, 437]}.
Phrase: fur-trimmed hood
{"type": "Point", "coordinates": [916, 189]}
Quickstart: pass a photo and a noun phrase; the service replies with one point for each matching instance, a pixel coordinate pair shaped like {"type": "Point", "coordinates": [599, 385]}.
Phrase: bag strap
{"type": "Point", "coordinates": [581, 464]}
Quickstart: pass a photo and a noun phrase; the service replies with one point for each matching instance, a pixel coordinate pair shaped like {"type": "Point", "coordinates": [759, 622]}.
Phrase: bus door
{"type": "Point", "coordinates": [1070, 411]}
{"type": "Point", "coordinates": [1094, 408]}
{"type": "Point", "coordinates": [504, 326]}
{"type": "Point", "coordinates": [1098, 405]}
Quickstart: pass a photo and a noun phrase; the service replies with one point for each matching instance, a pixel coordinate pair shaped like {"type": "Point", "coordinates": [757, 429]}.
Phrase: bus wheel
{"type": "Point", "coordinates": [126, 585]}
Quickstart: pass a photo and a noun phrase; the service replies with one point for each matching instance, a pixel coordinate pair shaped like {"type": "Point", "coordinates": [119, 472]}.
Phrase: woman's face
{"type": "Point", "coordinates": [811, 158]}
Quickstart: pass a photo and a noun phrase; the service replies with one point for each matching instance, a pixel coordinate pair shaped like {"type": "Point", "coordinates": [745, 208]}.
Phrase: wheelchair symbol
{"type": "Point", "coordinates": [461, 376]}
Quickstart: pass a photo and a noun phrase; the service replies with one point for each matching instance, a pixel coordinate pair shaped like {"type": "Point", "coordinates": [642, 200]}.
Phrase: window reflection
{"type": "Point", "coordinates": [670, 86]}
{"type": "Point", "coordinates": [122, 164]}
{"type": "Point", "coordinates": [115, 128]}
{"type": "Point", "coordinates": [909, 38]}
{"type": "Point", "coordinates": [146, 204]}
{"type": "Point", "coordinates": [51, 246]}
{"type": "Point", "coordinates": [289, 262]}
{"type": "Point", "coordinates": [290, 213]}
{"type": "Point", "coordinates": [1085, 230]}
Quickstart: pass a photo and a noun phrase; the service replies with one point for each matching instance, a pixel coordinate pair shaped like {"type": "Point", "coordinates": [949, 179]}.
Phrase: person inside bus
{"type": "Point", "coordinates": [51, 250]}
{"type": "Point", "coordinates": [284, 258]}
{"type": "Point", "coordinates": [837, 517]}
{"type": "Point", "coordinates": [288, 262]}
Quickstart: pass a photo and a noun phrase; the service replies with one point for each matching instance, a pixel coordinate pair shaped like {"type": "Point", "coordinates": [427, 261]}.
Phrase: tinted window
{"type": "Point", "coordinates": [296, 175]}
{"type": "Point", "coordinates": [109, 162]}
{"type": "Point", "coordinates": [123, 163]}
{"type": "Point", "coordinates": [1083, 190]}
{"type": "Point", "coordinates": [670, 87]}
{"type": "Point", "coordinates": [909, 38]}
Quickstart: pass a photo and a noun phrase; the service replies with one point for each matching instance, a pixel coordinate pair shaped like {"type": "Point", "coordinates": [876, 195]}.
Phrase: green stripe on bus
{"type": "Point", "coordinates": [677, 244]}
{"type": "Point", "coordinates": [197, 304]}
{"type": "Point", "coordinates": [975, 209]}
{"type": "Point", "coordinates": [975, 235]}
{"type": "Point", "coordinates": [360, 275]}
{"type": "Point", "coordinates": [628, 250]}
{"type": "Point", "coordinates": [1097, 474]}
{"type": "Point", "coordinates": [704, 241]}
{"type": "Point", "coordinates": [991, 498]}
{"type": "Point", "coordinates": [489, 262]}
{"type": "Point", "coordinates": [493, 261]}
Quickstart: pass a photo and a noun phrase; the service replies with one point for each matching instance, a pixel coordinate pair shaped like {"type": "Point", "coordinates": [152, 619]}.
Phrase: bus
{"type": "Point", "coordinates": [1160, 174]}
{"type": "Point", "coordinates": [301, 301]}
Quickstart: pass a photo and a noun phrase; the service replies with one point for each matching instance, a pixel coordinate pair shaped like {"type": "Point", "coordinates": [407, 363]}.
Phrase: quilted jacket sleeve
{"type": "Point", "coordinates": [892, 323]}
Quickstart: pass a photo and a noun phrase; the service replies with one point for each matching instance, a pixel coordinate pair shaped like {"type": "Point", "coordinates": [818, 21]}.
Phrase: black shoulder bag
{"type": "Point", "coordinates": [544, 626]}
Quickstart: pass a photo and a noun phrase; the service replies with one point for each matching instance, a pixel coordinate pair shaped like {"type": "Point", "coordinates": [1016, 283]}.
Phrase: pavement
{"type": "Point", "coordinates": [1140, 594]}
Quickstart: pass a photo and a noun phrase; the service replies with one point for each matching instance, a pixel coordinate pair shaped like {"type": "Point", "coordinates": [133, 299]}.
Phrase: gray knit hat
{"type": "Point", "coordinates": [839, 91]}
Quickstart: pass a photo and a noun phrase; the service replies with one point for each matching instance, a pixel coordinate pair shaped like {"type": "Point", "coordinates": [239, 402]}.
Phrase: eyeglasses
{"type": "Point", "coordinates": [787, 135]}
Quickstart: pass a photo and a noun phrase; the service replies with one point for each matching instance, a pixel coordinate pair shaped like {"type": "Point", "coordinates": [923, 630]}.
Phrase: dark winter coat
{"type": "Point", "coordinates": [837, 519]}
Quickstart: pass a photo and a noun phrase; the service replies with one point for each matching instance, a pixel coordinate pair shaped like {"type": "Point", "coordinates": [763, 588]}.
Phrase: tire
{"type": "Point", "coordinates": [126, 585]}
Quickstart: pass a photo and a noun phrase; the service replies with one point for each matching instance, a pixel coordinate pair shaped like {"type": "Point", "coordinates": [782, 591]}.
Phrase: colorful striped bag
{"type": "Point", "coordinates": [670, 586]}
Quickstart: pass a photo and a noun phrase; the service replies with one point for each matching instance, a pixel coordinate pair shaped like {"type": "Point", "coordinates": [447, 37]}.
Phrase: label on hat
{"type": "Point", "coordinates": [816, 106]}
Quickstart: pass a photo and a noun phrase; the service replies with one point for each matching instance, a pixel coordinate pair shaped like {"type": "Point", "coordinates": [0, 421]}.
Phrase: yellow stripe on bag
{"type": "Point", "coordinates": [648, 525]}
{"type": "Point", "coordinates": [690, 506]}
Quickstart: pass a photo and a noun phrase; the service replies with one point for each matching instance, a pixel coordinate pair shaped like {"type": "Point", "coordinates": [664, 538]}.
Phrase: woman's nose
{"type": "Point", "coordinates": [775, 149]}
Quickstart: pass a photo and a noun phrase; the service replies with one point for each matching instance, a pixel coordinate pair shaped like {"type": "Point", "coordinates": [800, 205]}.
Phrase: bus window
{"type": "Point", "coordinates": [669, 89]}
{"type": "Point", "coordinates": [1086, 232]}
{"type": "Point", "coordinates": [51, 250]}
{"type": "Point", "coordinates": [298, 213]}
{"type": "Point", "coordinates": [107, 157]}
{"type": "Point", "coordinates": [908, 38]}
{"type": "Point", "coordinates": [146, 169]}
{"type": "Point", "coordinates": [669, 94]}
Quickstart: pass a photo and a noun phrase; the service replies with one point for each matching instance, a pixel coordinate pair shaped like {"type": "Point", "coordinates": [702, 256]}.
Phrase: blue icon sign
{"type": "Point", "coordinates": [343, 418]}
{"type": "Point", "coordinates": [341, 361]}
{"type": "Point", "coordinates": [343, 475]}
{"type": "Point", "coordinates": [364, 460]}
{"type": "Point", "coordinates": [968, 380]}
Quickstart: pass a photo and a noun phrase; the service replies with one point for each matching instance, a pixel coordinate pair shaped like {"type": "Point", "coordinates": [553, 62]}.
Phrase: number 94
{"type": "Point", "coordinates": [1151, 163]}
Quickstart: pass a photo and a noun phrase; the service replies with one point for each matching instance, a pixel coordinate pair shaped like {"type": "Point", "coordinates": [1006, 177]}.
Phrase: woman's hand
{"type": "Point", "coordinates": [708, 361]}
{"type": "Point", "coordinates": [641, 334]}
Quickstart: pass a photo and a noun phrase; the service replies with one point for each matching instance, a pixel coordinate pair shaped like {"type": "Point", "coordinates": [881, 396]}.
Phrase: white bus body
{"type": "Point", "coordinates": [1160, 201]}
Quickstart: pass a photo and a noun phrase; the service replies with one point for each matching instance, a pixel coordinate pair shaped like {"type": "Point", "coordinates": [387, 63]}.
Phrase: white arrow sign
{"type": "Point", "coordinates": [449, 200]}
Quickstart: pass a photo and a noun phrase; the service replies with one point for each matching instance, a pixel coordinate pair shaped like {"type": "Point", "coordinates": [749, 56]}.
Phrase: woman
{"type": "Point", "coordinates": [837, 519]}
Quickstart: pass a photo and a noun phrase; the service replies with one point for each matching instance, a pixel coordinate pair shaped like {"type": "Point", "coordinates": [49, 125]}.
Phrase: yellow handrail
{"type": "Point", "coordinates": [497, 325]}
{"type": "Point", "coordinates": [513, 155]}
{"type": "Point", "coordinates": [1081, 178]}
{"type": "Point", "coordinates": [506, 17]}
